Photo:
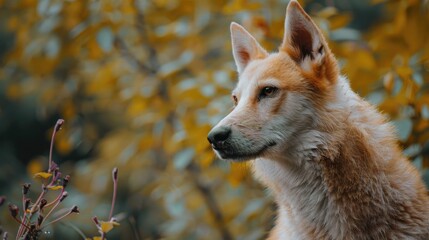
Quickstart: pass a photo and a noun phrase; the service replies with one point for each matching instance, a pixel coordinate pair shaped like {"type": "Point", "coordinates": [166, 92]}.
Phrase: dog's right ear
{"type": "Point", "coordinates": [245, 48]}
{"type": "Point", "coordinates": [304, 43]}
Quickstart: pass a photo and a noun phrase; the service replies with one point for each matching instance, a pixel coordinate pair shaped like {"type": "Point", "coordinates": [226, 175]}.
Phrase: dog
{"type": "Point", "coordinates": [330, 159]}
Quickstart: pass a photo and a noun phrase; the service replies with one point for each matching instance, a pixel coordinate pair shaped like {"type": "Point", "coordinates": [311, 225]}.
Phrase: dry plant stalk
{"type": "Point", "coordinates": [35, 215]}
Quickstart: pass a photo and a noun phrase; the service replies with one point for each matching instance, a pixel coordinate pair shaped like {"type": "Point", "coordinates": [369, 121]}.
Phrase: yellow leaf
{"type": "Point", "coordinates": [327, 12]}
{"type": "Point", "coordinates": [13, 91]}
{"type": "Point", "coordinates": [54, 188]}
{"type": "Point", "coordinates": [388, 82]}
{"type": "Point", "coordinates": [13, 23]}
{"type": "Point", "coordinates": [44, 175]}
{"type": "Point", "coordinates": [97, 238]}
{"type": "Point", "coordinates": [404, 72]}
{"type": "Point", "coordinates": [137, 106]}
{"type": "Point", "coordinates": [64, 145]}
{"type": "Point", "coordinates": [339, 20]}
{"type": "Point", "coordinates": [69, 110]}
{"type": "Point", "coordinates": [240, 5]}
{"type": "Point", "coordinates": [364, 60]}
{"type": "Point", "coordinates": [206, 158]}
{"type": "Point", "coordinates": [94, 49]}
{"type": "Point", "coordinates": [35, 166]}
{"type": "Point", "coordinates": [107, 226]}
{"type": "Point", "coordinates": [239, 172]}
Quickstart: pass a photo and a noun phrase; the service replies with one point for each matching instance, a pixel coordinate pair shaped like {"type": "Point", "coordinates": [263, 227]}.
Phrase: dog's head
{"type": "Point", "coordinates": [277, 94]}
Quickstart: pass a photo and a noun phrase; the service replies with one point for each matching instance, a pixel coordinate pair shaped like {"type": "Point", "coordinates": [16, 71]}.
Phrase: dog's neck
{"type": "Point", "coordinates": [322, 175]}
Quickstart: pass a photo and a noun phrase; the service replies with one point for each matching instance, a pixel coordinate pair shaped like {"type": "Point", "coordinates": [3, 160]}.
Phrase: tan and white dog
{"type": "Point", "coordinates": [330, 158]}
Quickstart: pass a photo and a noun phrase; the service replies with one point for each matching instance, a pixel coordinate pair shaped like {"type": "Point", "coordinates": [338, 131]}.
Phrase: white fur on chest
{"type": "Point", "coordinates": [300, 196]}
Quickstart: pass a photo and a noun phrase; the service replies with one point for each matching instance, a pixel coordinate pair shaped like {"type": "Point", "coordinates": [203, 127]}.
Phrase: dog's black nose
{"type": "Point", "coordinates": [218, 135]}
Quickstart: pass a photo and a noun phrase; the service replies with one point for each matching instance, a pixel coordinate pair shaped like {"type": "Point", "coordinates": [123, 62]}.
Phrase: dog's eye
{"type": "Point", "coordinates": [234, 98]}
{"type": "Point", "coordinates": [267, 92]}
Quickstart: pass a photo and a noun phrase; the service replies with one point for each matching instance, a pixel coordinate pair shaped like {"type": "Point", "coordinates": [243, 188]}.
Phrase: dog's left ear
{"type": "Point", "coordinates": [305, 44]}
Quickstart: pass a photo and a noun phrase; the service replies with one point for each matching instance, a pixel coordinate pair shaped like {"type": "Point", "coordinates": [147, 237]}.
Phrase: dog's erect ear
{"type": "Point", "coordinates": [305, 44]}
{"type": "Point", "coordinates": [245, 48]}
{"type": "Point", "coordinates": [302, 39]}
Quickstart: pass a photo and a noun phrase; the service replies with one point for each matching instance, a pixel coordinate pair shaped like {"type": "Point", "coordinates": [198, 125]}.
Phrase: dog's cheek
{"type": "Point", "coordinates": [296, 115]}
{"type": "Point", "coordinates": [278, 103]}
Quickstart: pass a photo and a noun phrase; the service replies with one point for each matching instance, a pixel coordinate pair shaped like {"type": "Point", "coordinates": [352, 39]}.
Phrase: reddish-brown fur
{"type": "Point", "coordinates": [336, 170]}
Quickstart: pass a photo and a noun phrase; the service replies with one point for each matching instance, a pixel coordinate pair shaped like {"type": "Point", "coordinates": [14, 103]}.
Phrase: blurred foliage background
{"type": "Point", "coordinates": [141, 82]}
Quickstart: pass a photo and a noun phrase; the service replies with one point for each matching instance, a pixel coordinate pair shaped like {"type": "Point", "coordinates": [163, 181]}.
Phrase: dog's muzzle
{"type": "Point", "coordinates": [218, 136]}
{"type": "Point", "coordinates": [233, 146]}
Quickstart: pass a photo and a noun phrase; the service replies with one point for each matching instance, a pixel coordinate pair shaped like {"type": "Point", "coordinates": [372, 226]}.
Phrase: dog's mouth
{"type": "Point", "coordinates": [228, 152]}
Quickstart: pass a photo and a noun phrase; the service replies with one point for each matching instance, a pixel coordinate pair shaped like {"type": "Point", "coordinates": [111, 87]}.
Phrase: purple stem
{"type": "Point", "coordinates": [57, 127]}
{"type": "Point", "coordinates": [115, 186]}
{"type": "Point", "coordinates": [21, 231]}
{"type": "Point", "coordinates": [56, 199]}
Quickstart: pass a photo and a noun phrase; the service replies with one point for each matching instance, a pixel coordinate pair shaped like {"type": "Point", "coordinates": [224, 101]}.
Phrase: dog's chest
{"type": "Point", "coordinates": [300, 195]}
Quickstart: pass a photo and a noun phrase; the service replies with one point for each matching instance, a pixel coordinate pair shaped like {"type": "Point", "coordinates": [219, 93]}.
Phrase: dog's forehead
{"type": "Point", "coordinates": [277, 66]}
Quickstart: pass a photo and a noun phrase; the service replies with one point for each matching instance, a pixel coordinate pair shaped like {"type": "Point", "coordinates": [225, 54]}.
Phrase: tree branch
{"type": "Point", "coordinates": [132, 60]}
{"type": "Point", "coordinates": [192, 169]}
{"type": "Point", "coordinates": [210, 201]}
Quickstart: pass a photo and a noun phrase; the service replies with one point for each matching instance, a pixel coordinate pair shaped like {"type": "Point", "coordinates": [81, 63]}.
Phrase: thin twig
{"type": "Point", "coordinates": [142, 28]}
{"type": "Point", "coordinates": [76, 229]}
{"type": "Point", "coordinates": [210, 202]}
{"type": "Point", "coordinates": [127, 54]}
{"type": "Point", "coordinates": [56, 199]}
{"type": "Point", "coordinates": [74, 209]}
{"type": "Point", "coordinates": [21, 230]}
{"type": "Point", "coordinates": [57, 127]}
{"type": "Point", "coordinates": [115, 188]}
{"type": "Point", "coordinates": [23, 219]}
{"type": "Point", "coordinates": [132, 222]}
{"type": "Point", "coordinates": [52, 209]}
